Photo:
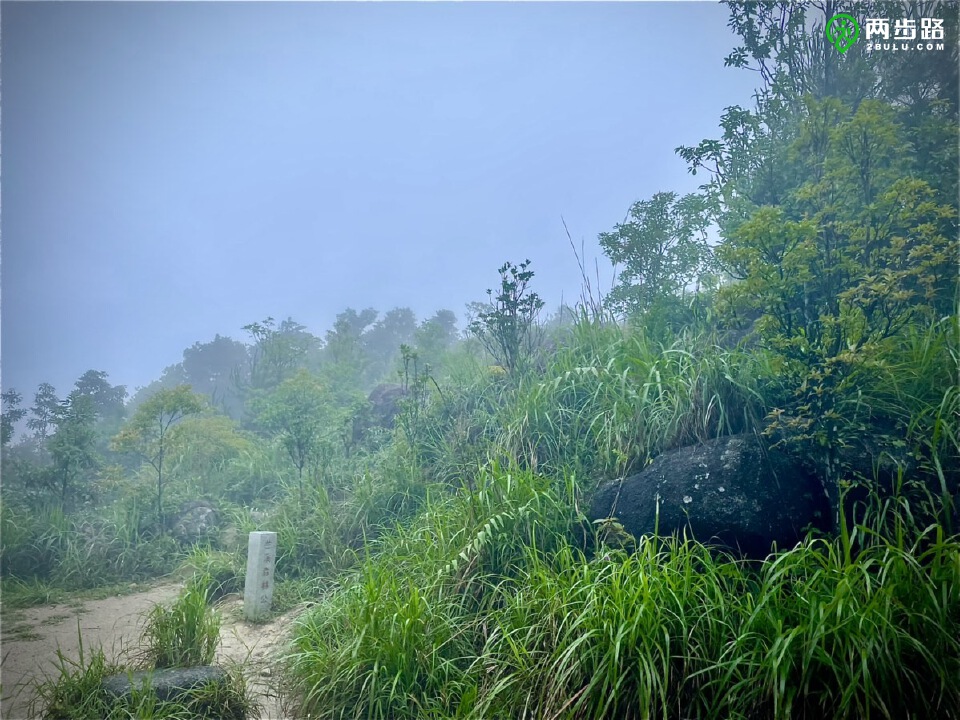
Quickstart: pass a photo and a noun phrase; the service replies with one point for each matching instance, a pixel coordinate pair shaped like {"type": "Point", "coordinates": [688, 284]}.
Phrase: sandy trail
{"type": "Point", "coordinates": [28, 646]}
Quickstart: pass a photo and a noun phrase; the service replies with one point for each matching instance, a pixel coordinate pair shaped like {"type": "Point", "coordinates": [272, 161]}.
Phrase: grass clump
{"type": "Point", "coordinates": [185, 634]}
{"type": "Point", "coordinates": [76, 692]}
{"type": "Point", "coordinates": [223, 570]}
{"type": "Point", "coordinates": [19, 593]}
{"type": "Point", "coordinates": [824, 636]}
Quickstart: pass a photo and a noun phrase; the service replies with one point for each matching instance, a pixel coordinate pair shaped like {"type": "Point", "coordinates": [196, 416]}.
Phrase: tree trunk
{"type": "Point", "coordinates": [300, 480]}
{"type": "Point", "coordinates": [163, 528]}
{"type": "Point", "coordinates": [829, 58]}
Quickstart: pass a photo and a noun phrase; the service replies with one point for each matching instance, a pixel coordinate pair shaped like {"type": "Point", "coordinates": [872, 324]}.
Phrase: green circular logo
{"type": "Point", "coordinates": [843, 31]}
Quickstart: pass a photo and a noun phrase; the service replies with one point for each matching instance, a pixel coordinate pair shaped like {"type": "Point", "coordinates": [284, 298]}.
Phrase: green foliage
{"type": "Point", "coordinates": [223, 571]}
{"type": "Point", "coordinates": [76, 693]}
{"type": "Point", "coordinates": [301, 414]}
{"type": "Point", "coordinates": [19, 593]}
{"type": "Point", "coordinates": [382, 342]}
{"type": "Point", "coordinates": [107, 400]}
{"type": "Point", "coordinates": [507, 327]}
{"type": "Point", "coordinates": [343, 350]}
{"type": "Point", "coordinates": [484, 606]}
{"type": "Point", "coordinates": [661, 252]}
{"type": "Point", "coordinates": [452, 571]}
{"type": "Point", "coordinates": [783, 43]}
{"type": "Point", "coordinates": [313, 538]}
{"type": "Point", "coordinates": [612, 400]}
{"type": "Point", "coordinates": [185, 634]}
{"type": "Point", "coordinates": [72, 445]}
{"type": "Point", "coordinates": [212, 368]}
{"type": "Point", "coordinates": [74, 552]}
{"type": "Point", "coordinates": [46, 404]}
{"type": "Point", "coordinates": [398, 640]}
{"type": "Point", "coordinates": [836, 202]}
{"type": "Point", "coordinates": [277, 352]}
{"type": "Point", "coordinates": [12, 414]}
{"type": "Point", "coordinates": [203, 451]}
{"type": "Point", "coordinates": [857, 254]}
{"type": "Point", "coordinates": [147, 434]}
{"type": "Point", "coordinates": [435, 337]}
{"type": "Point", "coordinates": [855, 250]}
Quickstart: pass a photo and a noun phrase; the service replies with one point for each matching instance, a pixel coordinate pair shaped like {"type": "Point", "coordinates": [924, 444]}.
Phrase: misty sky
{"type": "Point", "coordinates": [171, 171]}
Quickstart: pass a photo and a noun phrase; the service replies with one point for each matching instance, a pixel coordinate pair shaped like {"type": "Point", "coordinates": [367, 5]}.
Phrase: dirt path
{"type": "Point", "coordinates": [28, 645]}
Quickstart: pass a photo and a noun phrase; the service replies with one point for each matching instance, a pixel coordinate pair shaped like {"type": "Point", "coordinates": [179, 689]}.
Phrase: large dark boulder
{"type": "Point", "coordinates": [385, 404]}
{"type": "Point", "coordinates": [732, 491]}
{"type": "Point", "coordinates": [169, 684]}
{"type": "Point", "coordinates": [203, 691]}
{"type": "Point", "coordinates": [380, 411]}
{"type": "Point", "coordinates": [197, 520]}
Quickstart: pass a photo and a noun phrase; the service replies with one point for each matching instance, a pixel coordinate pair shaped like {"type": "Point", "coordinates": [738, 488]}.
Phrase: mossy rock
{"type": "Point", "coordinates": [206, 690]}
{"type": "Point", "coordinates": [733, 492]}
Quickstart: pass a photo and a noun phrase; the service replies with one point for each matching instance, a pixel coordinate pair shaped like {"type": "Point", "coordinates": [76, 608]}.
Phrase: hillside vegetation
{"type": "Point", "coordinates": [450, 568]}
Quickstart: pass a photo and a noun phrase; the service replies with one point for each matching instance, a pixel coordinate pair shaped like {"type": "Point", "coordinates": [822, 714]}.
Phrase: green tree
{"type": "Point", "coordinates": [855, 252]}
{"type": "Point", "coordinates": [381, 343]}
{"type": "Point", "coordinates": [202, 448]}
{"type": "Point", "coordinates": [301, 415]}
{"type": "Point", "coordinates": [147, 433]}
{"type": "Point", "coordinates": [46, 405]}
{"type": "Point", "coordinates": [662, 253]}
{"type": "Point", "coordinates": [108, 402]}
{"type": "Point", "coordinates": [210, 369]}
{"type": "Point", "coordinates": [73, 445]}
{"type": "Point", "coordinates": [172, 376]}
{"type": "Point", "coordinates": [12, 414]}
{"type": "Point", "coordinates": [435, 337]}
{"type": "Point", "coordinates": [343, 342]}
{"type": "Point", "coordinates": [278, 350]}
{"type": "Point", "coordinates": [784, 43]}
{"type": "Point", "coordinates": [836, 200]}
{"type": "Point", "coordinates": [507, 326]}
{"type": "Point", "coordinates": [344, 359]}
{"type": "Point", "coordinates": [858, 251]}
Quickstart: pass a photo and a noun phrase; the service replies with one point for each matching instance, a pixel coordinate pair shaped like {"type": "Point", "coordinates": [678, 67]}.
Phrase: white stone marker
{"type": "Point", "coordinates": [258, 585]}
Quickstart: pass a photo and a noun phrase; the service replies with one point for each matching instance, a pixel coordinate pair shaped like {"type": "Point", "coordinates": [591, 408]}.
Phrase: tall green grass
{"type": "Point", "coordinates": [501, 602]}
{"type": "Point", "coordinates": [396, 639]}
{"type": "Point", "coordinates": [224, 571]}
{"type": "Point", "coordinates": [485, 606]}
{"type": "Point", "coordinates": [185, 634]}
{"type": "Point", "coordinates": [613, 399]}
{"type": "Point", "coordinates": [80, 551]}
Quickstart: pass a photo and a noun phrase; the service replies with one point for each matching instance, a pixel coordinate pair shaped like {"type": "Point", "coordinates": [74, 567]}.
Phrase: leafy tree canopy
{"type": "Point", "coordinates": [301, 415]}
{"type": "Point", "coordinates": [147, 433]}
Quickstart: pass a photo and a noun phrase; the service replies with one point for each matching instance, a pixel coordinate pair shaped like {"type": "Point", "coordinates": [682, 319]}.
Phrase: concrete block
{"type": "Point", "coordinates": [258, 584]}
